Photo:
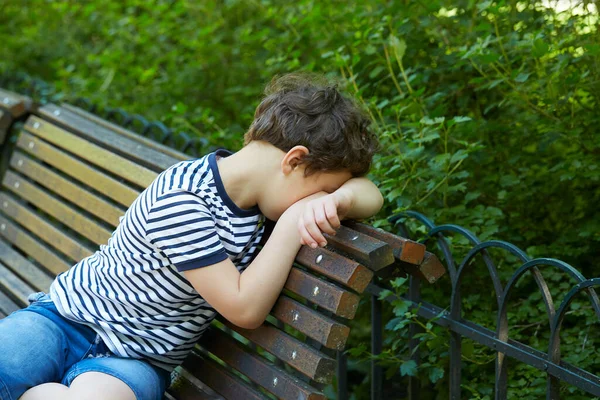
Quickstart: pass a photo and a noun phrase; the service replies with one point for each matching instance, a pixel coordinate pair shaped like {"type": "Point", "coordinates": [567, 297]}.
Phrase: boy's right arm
{"type": "Point", "coordinates": [246, 299]}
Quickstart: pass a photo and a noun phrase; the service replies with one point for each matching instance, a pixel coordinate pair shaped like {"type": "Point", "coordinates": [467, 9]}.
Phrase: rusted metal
{"type": "Point", "coordinates": [371, 252]}
{"type": "Point", "coordinates": [304, 358]}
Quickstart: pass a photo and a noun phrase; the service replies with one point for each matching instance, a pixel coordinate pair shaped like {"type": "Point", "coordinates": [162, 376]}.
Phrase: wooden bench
{"type": "Point", "coordinates": [71, 175]}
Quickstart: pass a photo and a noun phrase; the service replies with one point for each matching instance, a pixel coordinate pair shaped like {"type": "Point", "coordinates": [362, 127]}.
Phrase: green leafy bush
{"type": "Point", "coordinates": [487, 112]}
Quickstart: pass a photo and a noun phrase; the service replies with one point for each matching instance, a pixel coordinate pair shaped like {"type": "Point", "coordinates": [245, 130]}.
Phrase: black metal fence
{"type": "Point", "coordinates": [451, 318]}
{"type": "Point", "coordinates": [550, 361]}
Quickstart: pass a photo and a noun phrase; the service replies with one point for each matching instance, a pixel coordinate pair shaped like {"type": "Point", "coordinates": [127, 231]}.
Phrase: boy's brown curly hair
{"type": "Point", "coordinates": [307, 109]}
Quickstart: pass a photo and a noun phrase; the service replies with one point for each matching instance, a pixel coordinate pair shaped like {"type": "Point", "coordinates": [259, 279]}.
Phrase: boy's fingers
{"type": "Point", "coordinates": [322, 220]}
{"type": "Point", "coordinates": [312, 228]}
{"type": "Point", "coordinates": [332, 216]}
{"type": "Point", "coordinates": [306, 239]}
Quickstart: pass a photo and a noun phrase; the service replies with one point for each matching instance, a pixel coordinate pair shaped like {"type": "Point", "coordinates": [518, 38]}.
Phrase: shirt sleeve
{"type": "Point", "coordinates": [181, 226]}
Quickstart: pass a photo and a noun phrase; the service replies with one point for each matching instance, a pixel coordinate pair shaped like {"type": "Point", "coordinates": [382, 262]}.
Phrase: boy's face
{"type": "Point", "coordinates": [296, 186]}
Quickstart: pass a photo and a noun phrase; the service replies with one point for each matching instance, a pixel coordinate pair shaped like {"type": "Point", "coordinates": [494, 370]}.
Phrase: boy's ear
{"type": "Point", "coordinates": [293, 158]}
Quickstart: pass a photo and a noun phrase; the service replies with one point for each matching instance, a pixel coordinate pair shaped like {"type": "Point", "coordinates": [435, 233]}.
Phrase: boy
{"type": "Point", "coordinates": [115, 324]}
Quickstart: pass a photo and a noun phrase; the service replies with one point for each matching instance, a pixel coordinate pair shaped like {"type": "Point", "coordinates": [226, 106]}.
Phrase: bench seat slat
{"type": "Point", "coordinates": [75, 194]}
{"type": "Point", "coordinates": [30, 273]}
{"type": "Point", "coordinates": [43, 229]}
{"type": "Point", "coordinates": [90, 152]}
{"type": "Point", "coordinates": [327, 295]}
{"type": "Point", "coordinates": [219, 379]}
{"type": "Point", "coordinates": [325, 330]}
{"type": "Point", "coordinates": [19, 238]}
{"type": "Point", "coordinates": [258, 369]}
{"type": "Point", "coordinates": [336, 267]}
{"type": "Point", "coordinates": [81, 171]}
{"type": "Point", "coordinates": [304, 358]}
{"type": "Point", "coordinates": [186, 386]}
{"type": "Point", "coordinates": [369, 251]}
{"type": "Point", "coordinates": [405, 250]}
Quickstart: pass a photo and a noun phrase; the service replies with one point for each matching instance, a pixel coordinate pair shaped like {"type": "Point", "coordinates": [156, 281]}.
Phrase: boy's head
{"type": "Point", "coordinates": [304, 109]}
{"type": "Point", "coordinates": [321, 136]}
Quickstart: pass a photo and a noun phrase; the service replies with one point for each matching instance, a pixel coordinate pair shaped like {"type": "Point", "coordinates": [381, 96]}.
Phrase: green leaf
{"type": "Point", "coordinates": [435, 374]}
{"type": "Point", "coordinates": [522, 77]}
{"type": "Point", "coordinates": [540, 48]}
{"type": "Point", "coordinates": [408, 368]}
{"type": "Point", "coordinates": [398, 46]}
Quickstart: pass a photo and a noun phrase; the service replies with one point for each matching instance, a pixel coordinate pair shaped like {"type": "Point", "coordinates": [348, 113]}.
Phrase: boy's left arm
{"type": "Point", "coordinates": [365, 198]}
{"type": "Point", "coordinates": [358, 198]}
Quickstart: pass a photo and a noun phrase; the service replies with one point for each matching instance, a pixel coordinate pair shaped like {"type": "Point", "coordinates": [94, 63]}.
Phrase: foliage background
{"type": "Point", "coordinates": [487, 112]}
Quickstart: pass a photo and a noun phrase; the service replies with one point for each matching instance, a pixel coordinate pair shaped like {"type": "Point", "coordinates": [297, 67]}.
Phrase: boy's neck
{"type": "Point", "coordinates": [243, 173]}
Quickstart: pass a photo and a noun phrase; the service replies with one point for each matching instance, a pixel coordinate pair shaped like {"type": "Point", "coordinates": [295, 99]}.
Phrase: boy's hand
{"type": "Point", "coordinates": [323, 214]}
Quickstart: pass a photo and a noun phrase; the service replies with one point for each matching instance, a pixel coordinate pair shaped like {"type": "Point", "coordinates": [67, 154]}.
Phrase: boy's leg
{"type": "Point", "coordinates": [87, 386]}
{"type": "Point", "coordinates": [126, 378]}
{"type": "Point", "coordinates": [32, 352]}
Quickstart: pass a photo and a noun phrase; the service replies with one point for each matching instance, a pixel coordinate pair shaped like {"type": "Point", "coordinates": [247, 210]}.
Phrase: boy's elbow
{"type": "Point", "coordinates": [247, 320]}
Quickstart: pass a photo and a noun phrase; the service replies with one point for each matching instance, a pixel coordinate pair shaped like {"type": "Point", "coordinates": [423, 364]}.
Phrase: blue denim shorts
{"type": "Point", "coordinates": [38, 345]}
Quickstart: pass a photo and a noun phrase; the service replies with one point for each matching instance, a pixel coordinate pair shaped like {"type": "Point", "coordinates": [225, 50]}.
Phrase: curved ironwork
{"type": "Point", "coordinates": [499, 341]}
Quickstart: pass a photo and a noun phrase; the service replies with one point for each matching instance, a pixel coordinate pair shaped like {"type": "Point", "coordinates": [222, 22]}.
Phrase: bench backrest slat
{"type": "Point", "coordinates": [46, 231]}
{"type": "Point", "coordinates": [54, 207]}
{"type": "Point", "coordinates": [35, 276]}
{"type": "Point", "coordinates": [137, 151]}
{"type": "Point", "coordinates": [100, 157]}
{"type": "Point", "coordinates": [77, 169]}
{"type": "Point", "coordinates": [34, 248]}
{"type": "Point", "coordinates": [66, 189]}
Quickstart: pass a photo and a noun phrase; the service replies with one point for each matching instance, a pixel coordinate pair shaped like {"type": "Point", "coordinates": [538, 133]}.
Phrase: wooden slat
{"type": "Point", "coordinates": [7, 305]}
{"type": "Point", "coordinates": [75, 194]}
{"type": "Point", "coordinates": [258, 369]}
{"type": "Point", "coordinates": [325, 330]}
{"type": "Point", "coordinates": [370, 252]}
{"type": "Point", "coordinates": [95, 154]}
{"type": "Point", "coordinates": [329, 296]}
{"type": "Point", "coordinates": [32, 247]}
{"type": "Point", "coordinates": [27, 271]}
{"type": "Point", "coordinates": [108, 186]}
{"type": "Point", "coordinates": [108, 139]}
{"type": "Point", "coordinates": [177, 155]}
{"type": "Point", "coordinates": [43, 229]}
{"type": "Point", "coordinates": [14, 286]}
{"type": "Point", "coordinates": [14, 103]}
{"type": "Point", "coordinates": [405, 250]}
{"type": "Point", "coordinates": [58, 210]}
{"type": "Point", "coordinates": [5, 122]}
{"type": "Point", "coordinates": [304, 358]}
{"type": "Point", "coordinates": [185, 386]}
{"type": "Point", "coordinates": [219, 379]}
{"type": "Point", "coordinates": [336, 267]}
{"type": "Point", "coordinates": [412, 258]}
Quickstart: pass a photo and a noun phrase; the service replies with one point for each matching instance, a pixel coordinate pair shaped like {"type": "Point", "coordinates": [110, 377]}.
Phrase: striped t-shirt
{"type": "Point", "coordinates": [132, 291]}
